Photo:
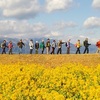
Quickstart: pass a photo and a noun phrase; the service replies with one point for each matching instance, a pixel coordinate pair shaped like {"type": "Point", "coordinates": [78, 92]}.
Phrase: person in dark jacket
{"type": "Point", "coordinates": [20, 45]}
{"type": "Point", "coordinates": [86, 45]}
{"type": "Point", "coordinates": [3, 46]}
{"type": "Point", "coordinates": [53, 47]}
{"type": "Point", "coordinates": [68, 46]}
{"type": "Point", "coordinates": [36, 47]}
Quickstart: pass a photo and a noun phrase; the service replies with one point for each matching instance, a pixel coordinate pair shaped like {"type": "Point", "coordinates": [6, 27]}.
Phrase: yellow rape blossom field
{"type": "Point", "coordinates": [50, 77]}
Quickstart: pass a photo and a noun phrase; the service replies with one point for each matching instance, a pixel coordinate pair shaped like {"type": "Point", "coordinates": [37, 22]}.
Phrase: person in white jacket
{"type": "Point", "coordinates": [31, 45]}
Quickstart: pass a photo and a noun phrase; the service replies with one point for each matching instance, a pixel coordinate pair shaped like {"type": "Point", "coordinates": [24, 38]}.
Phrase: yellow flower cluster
{"type": "Point", "coordinates": [35, 82]}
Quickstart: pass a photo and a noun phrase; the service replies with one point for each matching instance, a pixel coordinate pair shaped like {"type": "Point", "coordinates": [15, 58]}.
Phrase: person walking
{"type": "Point", "coordinates": [3, 46]}
{"type": "Point", "coordinates": [53, 47]}
{"type": "Point", "coordinates": [68, 46]}
{"type": "Point", "coordinates": [36, 47]}
{"type": "Point", "coordinates": [42, 46]}
{"type": "Point", "coordinates": [20, 45]}
{"type": "Point", "coordinates": [86, 45]}
{"type": "Point", "coordinates": [59, 47]}
{"type": "Point", "coordinates": [31, 45]}
{"type": "Point", "coordinates": [48, 46]}
{"type": "Point", "coordinates": [10, 46]}
{"type": "Point", "coordinates": [98, 47]}
{"type": "Point", "coordinates": [78, 45]}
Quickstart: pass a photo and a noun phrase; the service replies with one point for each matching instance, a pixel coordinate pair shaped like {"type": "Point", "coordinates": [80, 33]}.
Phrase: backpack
{"type": "Point", "coordinates": [1, 45]}
{"type": "Point", "coordinates": [84, 43]}
{"type": "Point", "coordinates": [41, 45]}
{"type": "Point", "coordinates": [66, 44]}
{"type": "Point", "coordinates": [58, 44]}
{"type": "Point", "coordinates": [97, 44]}
{"type": "Point", "coordinates": [75, 45]}
{"type": "Point", "coordinates": [48, 44]}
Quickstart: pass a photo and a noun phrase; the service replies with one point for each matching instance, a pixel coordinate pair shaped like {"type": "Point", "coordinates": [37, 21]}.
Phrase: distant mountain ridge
{"type": "Point", "coordinates": [92, 47]}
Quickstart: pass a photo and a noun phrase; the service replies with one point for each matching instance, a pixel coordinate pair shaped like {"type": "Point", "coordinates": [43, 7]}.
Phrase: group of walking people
{"type": "Point", "coordinates": [50, 47]}
{"type": "Point", "coordinates": [86, 45]}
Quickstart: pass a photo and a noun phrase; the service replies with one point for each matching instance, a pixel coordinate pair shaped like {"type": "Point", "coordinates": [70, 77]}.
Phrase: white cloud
{"type": "Point", "coordinates": [18, 29]}
{"type": "Point", "coordinates": [19, 8]}
{"type": "Point", "coordinates": [53, 34]}
{"type": "Point", "coordinates": [92, 22]}
{"type": "Point", "coordinates": [21, 28]}
{"type": "Point", "coordinates": [24, 9]}
{"type": "Point", "coordinates": [53, 5]}
{"type": "Point", "coordinates": [96, 4]}
{"type": "Point", "coordinates": [64, 25]}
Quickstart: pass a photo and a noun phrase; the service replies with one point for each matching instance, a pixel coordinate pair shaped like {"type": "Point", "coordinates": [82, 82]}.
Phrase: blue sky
{"type": "Point", "coordinates": [58, 19]}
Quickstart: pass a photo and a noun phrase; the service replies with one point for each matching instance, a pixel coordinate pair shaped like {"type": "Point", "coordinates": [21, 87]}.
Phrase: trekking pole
{"type": "Point", "coordinates": [25, 49]}
{"type": "Point", "coordinates": [25, 45]}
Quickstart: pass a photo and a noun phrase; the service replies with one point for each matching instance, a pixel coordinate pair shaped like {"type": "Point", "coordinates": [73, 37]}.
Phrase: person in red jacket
{"type": "Point", "coordinates": [98, 46]}
{"type": "Point", "coordinates": [10, 46]}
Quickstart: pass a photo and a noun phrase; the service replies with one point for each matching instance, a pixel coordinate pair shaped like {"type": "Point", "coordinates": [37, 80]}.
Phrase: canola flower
{"type": "Point", "coordinates": [21, 81]}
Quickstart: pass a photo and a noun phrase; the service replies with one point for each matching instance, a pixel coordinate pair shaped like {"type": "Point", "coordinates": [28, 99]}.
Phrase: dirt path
{"type": "Point", "coordinates": [52, 60]}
